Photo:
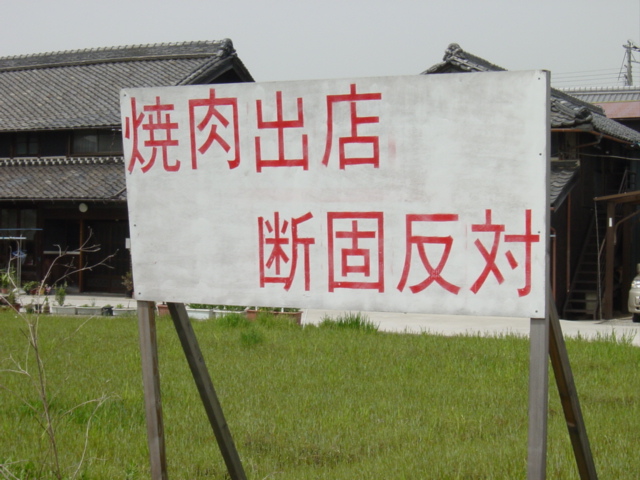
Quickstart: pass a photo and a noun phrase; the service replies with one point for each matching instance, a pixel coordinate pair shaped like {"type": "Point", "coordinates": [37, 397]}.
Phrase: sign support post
{"type": "Point", "coordinates": [569, 397]}
{"type": "Point", "coordinates": [538, 398]}
{"type": "Point", "coordinates": [205, 388]}
{"type": "Point", "coordinates": [151, 380]}
{"type": "Point", "coordinates": [151, 383]}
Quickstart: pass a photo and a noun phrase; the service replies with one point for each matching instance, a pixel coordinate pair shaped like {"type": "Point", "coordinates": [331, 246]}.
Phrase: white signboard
{"type": "Point", "coordinates": [410, 194]}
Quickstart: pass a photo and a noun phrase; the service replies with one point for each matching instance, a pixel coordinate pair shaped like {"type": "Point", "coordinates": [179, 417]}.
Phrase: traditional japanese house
{"type": "Point", "coordinates": [62, 174]}
{"type": "Point", "coordinates": [592, 157]}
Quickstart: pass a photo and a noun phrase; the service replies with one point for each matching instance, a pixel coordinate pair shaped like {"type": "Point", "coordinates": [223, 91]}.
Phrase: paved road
{"type": "Point", "coordinates": [440, 324]}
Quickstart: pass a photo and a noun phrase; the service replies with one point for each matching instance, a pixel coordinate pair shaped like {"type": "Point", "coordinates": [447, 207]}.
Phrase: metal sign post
{"type": "Point", "coordinates": [538, 398]}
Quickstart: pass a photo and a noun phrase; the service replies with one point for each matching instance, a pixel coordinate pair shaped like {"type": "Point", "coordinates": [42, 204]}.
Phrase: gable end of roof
{"type": "Point", "coordinates": [455, 58]}
{"type": "Point", "coordinates": [566, 111]}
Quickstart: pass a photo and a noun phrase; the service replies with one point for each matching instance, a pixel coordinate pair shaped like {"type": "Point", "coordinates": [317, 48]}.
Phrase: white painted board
{"type": "Point", "coordinates": [424, 193]}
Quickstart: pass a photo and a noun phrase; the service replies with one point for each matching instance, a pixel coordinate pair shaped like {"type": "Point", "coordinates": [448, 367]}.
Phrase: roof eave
{"type": "Point", "coordinates": [217, 68]}
{"type": "Point", "coordinates": [596, 133]}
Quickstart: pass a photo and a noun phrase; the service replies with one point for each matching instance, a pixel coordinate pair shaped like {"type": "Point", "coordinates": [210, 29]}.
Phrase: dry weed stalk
{"type": "Point", "coordinates": [38, 378]}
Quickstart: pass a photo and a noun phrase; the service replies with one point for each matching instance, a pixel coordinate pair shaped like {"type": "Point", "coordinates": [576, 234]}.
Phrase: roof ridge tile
{"type": "Point", "coordinates": [81, 90]}
{"type": "Point", "coordinates": [61, 160]}
{"type": "Point", "coordinates": [134, 52]}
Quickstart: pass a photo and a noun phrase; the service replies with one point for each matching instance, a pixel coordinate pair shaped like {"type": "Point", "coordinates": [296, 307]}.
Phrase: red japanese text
{"type": "Point", "coordinates": [280, 248]}
{"type": "Point", "coordinates": [280, 124]}
{"type": "Point", "coordinates": [419, 242]}
{"type": "Point", "coordinates": [223, 127]}
{"type": "Point", "coordinates": [353, 139]}
{"type": "Point", "coordinates": [158, 128]}
{"type": "Point", "coordinates": [356, 250]}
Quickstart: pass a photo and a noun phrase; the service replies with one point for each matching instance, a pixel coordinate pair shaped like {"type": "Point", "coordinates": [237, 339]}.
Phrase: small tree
{"type": "Point", "coordinates": [61, 293]}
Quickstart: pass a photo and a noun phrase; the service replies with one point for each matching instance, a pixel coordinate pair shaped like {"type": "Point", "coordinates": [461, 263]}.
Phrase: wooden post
{"type": "Point", "coordinates": [207, 392]}
{"type": "Point", "coordinates": [538, 398]}
{"type": "Point", "coordinates": [151, 382]}
{"type": "Point", "coordinates": [81, 261]}
{"type": "Point", "coordinates": [609, 248]}
{"type": "Point", "coordinates": [569, 398]}
{"type": "Point", "coordinates": [628, 267]}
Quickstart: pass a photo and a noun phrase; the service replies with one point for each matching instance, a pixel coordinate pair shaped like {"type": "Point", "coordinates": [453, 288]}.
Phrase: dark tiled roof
{"type": "Point", "coordinates": [566, 111]}
{"type": "Point", "coordinates": [81, 88]}
{"type": "Point", "coordinates": [455, 60]}
{"type": "Point", "coordinates": [563, 176]}
{"type": "Point", "coordinates": [63, 178]}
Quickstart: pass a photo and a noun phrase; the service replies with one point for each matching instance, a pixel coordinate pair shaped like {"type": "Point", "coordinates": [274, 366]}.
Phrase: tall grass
{"type": "Point", "coordinates": [315, 403]}
{"type": "Point", "coordinates": [354, 321]}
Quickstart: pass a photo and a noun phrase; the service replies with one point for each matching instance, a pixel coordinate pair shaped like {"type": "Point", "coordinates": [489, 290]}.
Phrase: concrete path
{"type": "Point", "coordinates": [462, 325]}
{"type": "Point", "coordinates": [436, 324]}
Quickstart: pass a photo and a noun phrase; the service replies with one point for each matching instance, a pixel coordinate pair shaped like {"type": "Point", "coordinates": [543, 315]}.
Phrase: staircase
{"type": "Point", "coordinates": [583, 299]}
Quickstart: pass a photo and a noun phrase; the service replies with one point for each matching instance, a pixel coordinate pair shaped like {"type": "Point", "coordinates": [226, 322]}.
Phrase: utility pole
{"type": "Point", "coordinates": [630, 47]}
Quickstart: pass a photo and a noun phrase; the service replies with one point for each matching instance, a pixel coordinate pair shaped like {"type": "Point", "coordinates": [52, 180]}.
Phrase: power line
{"type": "Point", "coordinates": [611, 81]}
{"type": "Point", "coordinates": [596, 78]}
{"type": "Point", "coordinates": [578, 77]}
{"type": "Point", "coordinates": [615, 70]}
{"type": "Point", "coordinates": [598, 75]}
{"type": "Point", "coordinates": [624, 76]}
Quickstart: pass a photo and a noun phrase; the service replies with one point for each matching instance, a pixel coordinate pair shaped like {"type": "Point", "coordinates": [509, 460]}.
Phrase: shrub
{"type": "Point", "coordinates": [61, 293]}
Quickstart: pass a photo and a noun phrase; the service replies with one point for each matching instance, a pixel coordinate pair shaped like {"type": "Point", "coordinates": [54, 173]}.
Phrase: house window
{"type": "Point", "coordinates": [18, 240]}
{"type": "Point", "coordinates": [96, 142]}
{"type": "Point", "coordinates": [26, 144]}
{"type": "Point", "coordinates": [5, 145]}
{"type": "Point", "coordinates": [18, 222]}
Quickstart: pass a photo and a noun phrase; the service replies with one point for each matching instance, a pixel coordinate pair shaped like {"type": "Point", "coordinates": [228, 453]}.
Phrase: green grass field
{"type": "Point", "coordinates": [308, 403]}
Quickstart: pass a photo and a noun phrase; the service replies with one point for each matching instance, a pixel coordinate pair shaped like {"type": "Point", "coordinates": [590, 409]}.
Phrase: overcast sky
{"type": "Point", "coordinates": [309, 39]}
